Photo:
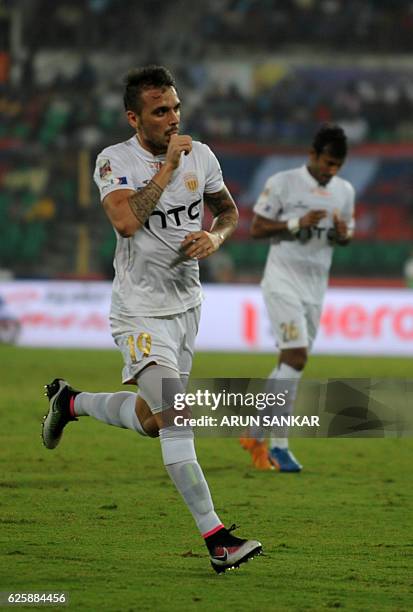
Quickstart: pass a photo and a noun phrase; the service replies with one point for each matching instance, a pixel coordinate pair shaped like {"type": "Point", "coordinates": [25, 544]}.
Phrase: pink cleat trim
{"type": "Point", "coordinates": [214, 530]}
{"type": "Point", "coordinates": [72, 407]}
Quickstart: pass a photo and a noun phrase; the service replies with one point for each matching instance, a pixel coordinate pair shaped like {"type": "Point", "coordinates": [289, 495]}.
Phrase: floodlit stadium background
{"type": "Point", "coordinates": [98, 517]}
{"type": "Point", "coordinates": [256, 79]}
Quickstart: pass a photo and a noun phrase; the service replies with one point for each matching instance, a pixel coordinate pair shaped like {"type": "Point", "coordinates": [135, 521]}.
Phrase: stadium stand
{"type": "Point", "coordinates": [253, 88]}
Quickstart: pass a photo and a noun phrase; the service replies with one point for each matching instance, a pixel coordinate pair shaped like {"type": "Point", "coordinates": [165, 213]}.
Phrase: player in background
{"type": "Point", "coordinates": [153, 188]}
{"type": "Point", "coordinates": [305, 212]}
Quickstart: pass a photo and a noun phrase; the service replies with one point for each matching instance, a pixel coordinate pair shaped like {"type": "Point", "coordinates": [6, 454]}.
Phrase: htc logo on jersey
{"type": "Point", "coordinates": [307, 233]}
{"type": "Point", "coordinates": [175, 213]}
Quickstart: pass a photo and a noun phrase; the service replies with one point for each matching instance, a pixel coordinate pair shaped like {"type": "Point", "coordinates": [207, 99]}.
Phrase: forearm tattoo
{"type": "Point", "coordinates": [224, 210]}
{"type": "Point", "coordinates": [144, 201]}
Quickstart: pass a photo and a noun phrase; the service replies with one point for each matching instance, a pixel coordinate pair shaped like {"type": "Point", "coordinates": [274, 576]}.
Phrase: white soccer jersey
{"type": "Point", "coordinates": [299, 266]}
{"type": "Point", "coordinates": [149, 278]}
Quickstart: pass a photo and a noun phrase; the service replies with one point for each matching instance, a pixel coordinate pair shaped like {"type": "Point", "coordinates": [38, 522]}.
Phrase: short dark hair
{"type": "Point", "coordinates": [139, 79]}
{"type": "Point", "coordinates": [331, 139]}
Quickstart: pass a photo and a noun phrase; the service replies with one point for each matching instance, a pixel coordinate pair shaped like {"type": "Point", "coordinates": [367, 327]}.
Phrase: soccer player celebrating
{"type": "Point", "coordinates": [153, 187]}
{"type": "Point", "coordinates": [306, 212]}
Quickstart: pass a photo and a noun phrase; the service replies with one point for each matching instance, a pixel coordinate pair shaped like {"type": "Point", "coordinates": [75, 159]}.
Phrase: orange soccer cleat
{"type": "Point", "coordinates": [259, 453]}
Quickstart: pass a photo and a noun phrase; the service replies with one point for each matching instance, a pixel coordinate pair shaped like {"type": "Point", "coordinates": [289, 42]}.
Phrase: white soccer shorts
{"type": "Point", "coordinates": [294, 323]}
{"type": "Point", "coordinates": [167, 340]}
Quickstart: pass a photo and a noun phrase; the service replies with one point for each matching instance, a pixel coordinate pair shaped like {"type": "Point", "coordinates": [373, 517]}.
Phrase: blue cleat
{"type": "Point", "coordinates": [283, 460]}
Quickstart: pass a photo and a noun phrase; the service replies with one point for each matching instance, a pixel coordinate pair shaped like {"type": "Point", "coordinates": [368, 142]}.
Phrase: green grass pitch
{"type": "Point", "coordinates": [99, 519]}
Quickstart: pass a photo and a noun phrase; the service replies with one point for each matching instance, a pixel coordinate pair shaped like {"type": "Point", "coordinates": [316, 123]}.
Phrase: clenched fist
{"type": "Point", "coordinates": [178, 144]}
{"type": "Point", "coordinates": [312, 217]}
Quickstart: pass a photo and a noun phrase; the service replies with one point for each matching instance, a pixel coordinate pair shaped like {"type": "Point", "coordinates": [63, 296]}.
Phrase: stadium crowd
{"type": "Point", "coordinates": [246, 78]}
{"type": "Point", "coordinates": [259, 25]}
{"type": "Point", "coordinates": [82, 109]}
{"type": "Point", "coordinates": [73, 101]}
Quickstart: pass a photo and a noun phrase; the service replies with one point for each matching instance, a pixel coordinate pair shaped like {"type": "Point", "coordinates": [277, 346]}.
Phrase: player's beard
{"type": "Point", "coordinates": [322, 179]}
{"type": "Point", "coordinates": [160, 147]}
{"type": "Point", "coordinates": [155, 145]}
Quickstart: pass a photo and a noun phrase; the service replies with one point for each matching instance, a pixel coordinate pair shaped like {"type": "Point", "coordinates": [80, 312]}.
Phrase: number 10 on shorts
{"type": "Point", "coordinates": [142, 342]}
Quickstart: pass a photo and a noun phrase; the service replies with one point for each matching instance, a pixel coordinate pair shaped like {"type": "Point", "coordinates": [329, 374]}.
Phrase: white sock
{"type": "Point", "coordinates": [284, 378]}
{"type": "Point", "coordinates": [116, 409]}
{"type": "Point", "coordinates": [180, 461]}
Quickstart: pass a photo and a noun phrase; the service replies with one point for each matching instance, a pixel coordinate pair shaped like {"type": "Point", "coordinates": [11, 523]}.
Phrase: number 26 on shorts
{"type": "Point", "coordinates": [289, 331]}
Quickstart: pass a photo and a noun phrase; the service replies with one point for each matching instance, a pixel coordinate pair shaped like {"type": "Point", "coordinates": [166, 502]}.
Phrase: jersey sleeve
{"type": "Point", "coordinates": [111, 173]}
{"type": "Point", "coordinates": [213, 178]}
{"type": "Point", "coordinates": [269, 202]}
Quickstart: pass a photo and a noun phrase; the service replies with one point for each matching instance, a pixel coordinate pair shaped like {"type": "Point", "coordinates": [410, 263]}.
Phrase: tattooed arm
{"type": "Point", "coordinates": [128, 210]}
{"type": "Point", "coordinates": [202, 244]}
{"type": "Point", "coordinates": [224, 211]}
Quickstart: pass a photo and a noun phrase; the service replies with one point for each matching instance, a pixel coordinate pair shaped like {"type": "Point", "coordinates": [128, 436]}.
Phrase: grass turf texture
{"type": "Point", "coordinates": [98, 517]}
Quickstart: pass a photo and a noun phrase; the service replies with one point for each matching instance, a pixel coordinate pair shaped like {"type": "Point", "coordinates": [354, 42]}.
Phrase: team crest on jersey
{"type": "Point", "coordinates": [156, 166]}
{"type": "Point", "coordinates": [105, 170]}
{"type": "Point", "coordinates": [191, 181]}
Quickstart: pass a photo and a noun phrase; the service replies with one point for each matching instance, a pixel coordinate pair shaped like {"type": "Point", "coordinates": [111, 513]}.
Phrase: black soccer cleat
{"type": "Point", "coordinates": [228, 552]}
{"type": "Point", "coordinates": [59, 393]}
